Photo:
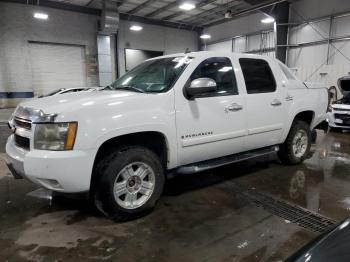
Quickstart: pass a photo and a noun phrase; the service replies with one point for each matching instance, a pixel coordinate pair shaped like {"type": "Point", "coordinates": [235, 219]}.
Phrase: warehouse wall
{"type": "Point", "coordinates": [316, 8]}
{"type": "Point", "coordinates": [244, 34]}
{"type": "Point", "coordinates": [310, 62]}
{"type": "Point", "coordinates": [154, 38]}
{"type": "Point", "coordinates": [17, 27]}
{"type": "Point", "coordinates": [240, 26]}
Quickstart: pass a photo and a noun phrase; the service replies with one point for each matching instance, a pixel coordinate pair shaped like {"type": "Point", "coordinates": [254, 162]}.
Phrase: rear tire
{"type": "Point", "coordinates": [296, 148]}
{"type": "Point", "coordinates": [313, 136]}
{"type": "Point", "coordinates": [130, 182]}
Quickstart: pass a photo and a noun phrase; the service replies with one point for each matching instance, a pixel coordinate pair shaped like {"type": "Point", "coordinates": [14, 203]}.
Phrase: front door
{"type": "Point", "coordinates": [212, 124]}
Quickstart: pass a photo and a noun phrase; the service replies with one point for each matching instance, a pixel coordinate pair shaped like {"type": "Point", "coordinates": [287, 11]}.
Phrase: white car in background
{"type": "Point", "coordinates": [339, 111]}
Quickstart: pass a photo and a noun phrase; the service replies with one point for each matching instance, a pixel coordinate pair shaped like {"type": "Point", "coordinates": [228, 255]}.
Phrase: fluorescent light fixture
{"type": "Point", "coordinates": [205, 36]}
{"type": "Point", "coordinates": [42, 16]}
{"type": "Point", "coordinates": [136, 28]}
{"type": "Point", "coordinates": [268, 20]}
{"type": "Point", "coordinates": [187, 6]}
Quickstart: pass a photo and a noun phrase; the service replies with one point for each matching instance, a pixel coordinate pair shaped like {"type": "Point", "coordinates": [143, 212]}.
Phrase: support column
{"type": "Point", "coordinates": [281, 15]}
{"type": "Point", "coordinates": [104, 60]}
{"type": "Point", "coordinates": [107, 42]}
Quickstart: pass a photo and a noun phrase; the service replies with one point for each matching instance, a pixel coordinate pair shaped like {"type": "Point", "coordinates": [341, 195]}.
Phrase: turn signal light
{"type": "Point", "coordinates": [72, 131]}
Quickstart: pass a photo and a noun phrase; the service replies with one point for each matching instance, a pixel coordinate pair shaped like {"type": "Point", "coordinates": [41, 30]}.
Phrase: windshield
{"type": "Point", "coordinates": [153, 76]}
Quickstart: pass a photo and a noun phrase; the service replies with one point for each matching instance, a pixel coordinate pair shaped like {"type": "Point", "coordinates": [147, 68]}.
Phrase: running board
{"type": "Point", "coordinates": [217, 162]}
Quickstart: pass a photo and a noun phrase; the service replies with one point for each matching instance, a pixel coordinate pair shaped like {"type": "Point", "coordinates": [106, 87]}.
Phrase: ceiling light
{"type": "Point", "coordinates": [136, 28]}
{"type": "Point", "coordinates": [205, 36]}
{"type": "Point", "coordinates": [268, 20]}
{"type": "Point", "coordinates": [42, 16]}
{"type": "Point", "coordinates": [228, 14]}
{"type": "Point", "coordinates": [187, 6]}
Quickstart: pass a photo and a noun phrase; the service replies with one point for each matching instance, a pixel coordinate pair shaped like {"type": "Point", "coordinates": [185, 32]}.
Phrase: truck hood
{"type": "Point", "coordinates": [343, 102]}
{"type": "Point", "coordinates": [75, 101]}
{"type": "Point", "coordinates": [344, 85]}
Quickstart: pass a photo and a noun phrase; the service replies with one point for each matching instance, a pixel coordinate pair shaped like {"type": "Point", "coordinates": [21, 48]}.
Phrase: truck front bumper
{"type": "Point", "coordinates": [335, 122]}
{"type": "Point", "coordinates": [63, 171]}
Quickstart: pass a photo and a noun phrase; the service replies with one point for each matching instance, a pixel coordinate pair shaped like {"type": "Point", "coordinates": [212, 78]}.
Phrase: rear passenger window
{"type": "Point", "coordinates": [257, 75]}
{"type": "Point", "coordinates": [221, 71]}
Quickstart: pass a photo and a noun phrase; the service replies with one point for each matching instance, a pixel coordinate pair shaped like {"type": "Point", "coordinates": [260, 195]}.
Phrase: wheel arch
{"type": "Point", "coordinates": [152, 140]}
{"type": "Point", "coordinates": [307, 116]}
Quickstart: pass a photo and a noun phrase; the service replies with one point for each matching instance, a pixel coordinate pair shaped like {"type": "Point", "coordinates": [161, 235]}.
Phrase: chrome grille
{"type": "Point", "coordinates": [343, 117]}
{"type": "Point", "coordinates": [22, 129]}
{"type": "Point", "coordinates": [22, 123]}
{"type": "Point", "coordinates": [341, 109]}
{"type": "Point", "coordinates": [22, 142]}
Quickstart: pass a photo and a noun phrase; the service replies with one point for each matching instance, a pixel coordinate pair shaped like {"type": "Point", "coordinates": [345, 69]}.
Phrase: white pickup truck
{"type": "Point", "coordinates": [339, 110]}
{"type": "Point", "coordinates": [181, 113]}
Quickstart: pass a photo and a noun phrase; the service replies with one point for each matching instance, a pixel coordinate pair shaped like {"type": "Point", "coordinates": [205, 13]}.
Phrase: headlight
{"type": "Point", "coordinates": [55, 136]}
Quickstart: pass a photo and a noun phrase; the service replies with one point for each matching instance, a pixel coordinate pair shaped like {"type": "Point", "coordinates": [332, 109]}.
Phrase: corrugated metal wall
{"type": "Point", "coordinates": [311, 56]}
{"type": "Point", "coordinates": [321, 61]}
{"type": "Point", "coordinates": [261, 43]}
{"type": "Point", "coordinates": [309, 61]}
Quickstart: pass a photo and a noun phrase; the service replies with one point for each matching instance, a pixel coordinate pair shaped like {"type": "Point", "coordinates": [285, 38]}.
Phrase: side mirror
{"type": "Point", "coordinates": [201, 86]}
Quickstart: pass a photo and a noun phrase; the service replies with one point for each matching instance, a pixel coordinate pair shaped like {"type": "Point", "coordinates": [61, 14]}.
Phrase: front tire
{"type": "Point", "coordinates": [131, 180]}
{"type": "Point", "coordinates": [296, 148]}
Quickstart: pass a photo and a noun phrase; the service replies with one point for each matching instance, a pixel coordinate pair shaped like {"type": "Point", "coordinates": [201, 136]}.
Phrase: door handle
{"type": "Point", "coordinates": [276, 102]}
{"type": "Point", "coordinates": [233, 108]}
{"type": "Point", "coordinates": [289, 98]}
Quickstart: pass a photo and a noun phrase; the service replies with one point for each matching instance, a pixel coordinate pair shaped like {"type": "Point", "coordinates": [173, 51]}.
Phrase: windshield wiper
{"type": "Point", "coordinates": [109, 87]}
{"type": "Point", "coordinates": [130, 88]}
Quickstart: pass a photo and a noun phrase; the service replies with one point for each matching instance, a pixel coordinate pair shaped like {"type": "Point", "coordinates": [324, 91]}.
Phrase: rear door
{"type": "Point", "coordinates": [266, 107]}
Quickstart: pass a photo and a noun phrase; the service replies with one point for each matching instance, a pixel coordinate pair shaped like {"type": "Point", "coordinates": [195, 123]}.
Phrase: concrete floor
{"type": "Point", "coordinates": [199, 217]}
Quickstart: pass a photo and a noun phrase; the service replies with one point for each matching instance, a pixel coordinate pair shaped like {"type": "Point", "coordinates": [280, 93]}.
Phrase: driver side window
{"type": "Point", "coordinates": [219, 69]}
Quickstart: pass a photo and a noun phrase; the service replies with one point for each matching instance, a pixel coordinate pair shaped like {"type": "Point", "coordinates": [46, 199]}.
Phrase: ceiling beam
{"type": "Point", "coordinates": [58, 5]}
{"type": "Point", "coordinates": [141, 6]}
{"type": "Point", "coordinates": [89, 3]}
{"type": "Point", "coordinates": [162, 9]}
{"type": "Point", "coordinates": [243, 12]}
{"type": "Point", "coordinates": [211, 12]}
{"type": "Point", "coordinates": [121, 2]}
{"type": "Point", "coordinates": [97, 12]}
{"type": "Point", "coordinates": [146, 20]}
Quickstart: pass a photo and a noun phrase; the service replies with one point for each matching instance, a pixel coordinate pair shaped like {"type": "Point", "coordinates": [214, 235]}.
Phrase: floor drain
{"type": "Point", "coordinates": [295, 214]}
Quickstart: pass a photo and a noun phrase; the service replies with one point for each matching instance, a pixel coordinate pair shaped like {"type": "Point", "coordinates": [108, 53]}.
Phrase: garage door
{"type": "Point", "coordinates": [57, 66]}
